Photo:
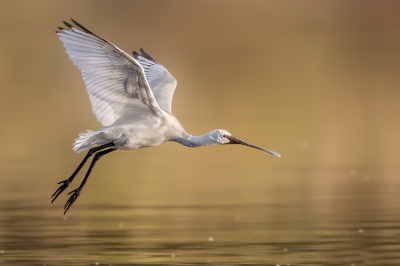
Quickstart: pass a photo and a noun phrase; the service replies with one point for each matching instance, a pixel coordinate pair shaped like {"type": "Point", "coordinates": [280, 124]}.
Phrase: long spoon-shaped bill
{"type": "Point", "coordinates": [234, 140]}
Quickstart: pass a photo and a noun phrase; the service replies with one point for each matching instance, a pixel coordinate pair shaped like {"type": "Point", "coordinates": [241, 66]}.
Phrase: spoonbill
{"type": "Point", "coordinates": [131, 97]}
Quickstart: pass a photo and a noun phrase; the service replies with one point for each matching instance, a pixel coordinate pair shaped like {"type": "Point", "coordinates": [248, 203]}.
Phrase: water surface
{"type": "Point", "coordinates": [336, 217]}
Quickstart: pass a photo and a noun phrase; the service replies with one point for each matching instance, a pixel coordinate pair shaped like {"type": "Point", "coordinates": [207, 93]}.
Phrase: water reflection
{"type": "Point", "coordinates": [356, 223]}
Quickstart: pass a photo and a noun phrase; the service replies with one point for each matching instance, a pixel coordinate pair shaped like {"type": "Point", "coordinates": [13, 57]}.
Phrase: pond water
{"type": "Point", "coordinates": [278, 217]}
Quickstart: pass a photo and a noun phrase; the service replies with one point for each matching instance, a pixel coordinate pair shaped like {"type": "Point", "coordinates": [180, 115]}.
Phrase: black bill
{"type": "Point", "coordinates": [234, 140]}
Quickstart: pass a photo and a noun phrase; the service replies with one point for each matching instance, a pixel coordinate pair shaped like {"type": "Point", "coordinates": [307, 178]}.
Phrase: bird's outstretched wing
{"type": "Point", "coordinates": [162, 83]}
{"type": "Point", "coordinates": [116, 83]}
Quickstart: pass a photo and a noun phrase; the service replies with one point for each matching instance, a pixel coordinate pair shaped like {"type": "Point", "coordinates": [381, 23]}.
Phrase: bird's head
{"type": "Point", "coordinates": [222, 137]}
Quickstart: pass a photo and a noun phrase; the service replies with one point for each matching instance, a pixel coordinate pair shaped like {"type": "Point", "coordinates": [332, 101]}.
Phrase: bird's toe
{"type": "Point", "coordinates": [75, 194]}
{"type": "Point", "coordinates": [60, 190]}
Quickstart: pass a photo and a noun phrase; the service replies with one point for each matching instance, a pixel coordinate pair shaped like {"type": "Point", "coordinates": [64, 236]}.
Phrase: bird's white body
{"type": "Point", "coordinates": [153, 132]}
{"type": "Point", "coordinates": [131, 97]}
{"type": "Point", "coordinates": [150, 132]}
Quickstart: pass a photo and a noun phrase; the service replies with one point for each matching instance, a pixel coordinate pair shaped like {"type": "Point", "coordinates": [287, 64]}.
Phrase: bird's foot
{"type": "Point", "coordinates": [60, 190]}
{"type": "Point", "coordinates": [75, 194]}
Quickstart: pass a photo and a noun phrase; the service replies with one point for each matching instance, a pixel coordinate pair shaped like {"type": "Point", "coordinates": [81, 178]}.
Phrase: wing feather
{"type": "Point", "coordinates": [161, 82]}
{"type": "Point", "coordinates": [116, 82]}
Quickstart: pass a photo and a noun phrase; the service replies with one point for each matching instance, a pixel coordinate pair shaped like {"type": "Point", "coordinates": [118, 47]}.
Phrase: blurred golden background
{"type": "Point", "coordinates": [316, 81]}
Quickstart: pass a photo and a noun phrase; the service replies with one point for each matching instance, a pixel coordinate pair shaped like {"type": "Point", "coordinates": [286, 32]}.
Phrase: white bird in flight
{"type": "Point", "coordinates": [131, 97]}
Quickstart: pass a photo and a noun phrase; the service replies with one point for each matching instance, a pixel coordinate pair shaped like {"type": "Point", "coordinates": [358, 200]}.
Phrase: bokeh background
{"type": "Point", "coordinates": [316, 81]}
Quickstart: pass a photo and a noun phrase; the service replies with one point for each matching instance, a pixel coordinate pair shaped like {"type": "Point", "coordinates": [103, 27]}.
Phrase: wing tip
{"type": "Point", "coordinates": [67, 24]}
{"type": "Point", "coordinates": [146, 55]}
{"type": "Point", "coordinates": [75, 25]}
{"type": "Point", "coordinates": [135, 54]}
{"type": "Point", "coordinates": [79, 26]}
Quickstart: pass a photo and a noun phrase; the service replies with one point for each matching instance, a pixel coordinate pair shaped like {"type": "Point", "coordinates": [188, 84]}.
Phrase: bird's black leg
{"type": "Point", "coordinates": [75, 193]}
{"type": "Point", "coordinates": [65, 183]}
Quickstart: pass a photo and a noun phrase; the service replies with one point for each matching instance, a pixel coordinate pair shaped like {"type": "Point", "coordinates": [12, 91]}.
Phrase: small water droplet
{"type": "Point", "coordinates": [211, 239]}
{"type": "Point", "coordinates": [121, 225]}
{"type": "Point", "coordinates": [2, 251]}
{"type": "Point", "coordinates": [285, 249]}
{"type": "Point", "coordinates": [305, 145]}
{"type": "Point", "coordinates": [173, 255]}
{"type": "Point", "coordinates": [96, 263]}
{"type": "Point", "coordinates": [353, 172]}
{"type": "Point", "coordinates": [361, 231]}
{"type": "Point", "coordinates": [65, 218]}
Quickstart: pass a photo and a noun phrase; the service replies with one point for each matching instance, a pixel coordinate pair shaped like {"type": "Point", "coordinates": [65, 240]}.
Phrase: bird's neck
{"type": "Point", "coordinates": [196, 141]}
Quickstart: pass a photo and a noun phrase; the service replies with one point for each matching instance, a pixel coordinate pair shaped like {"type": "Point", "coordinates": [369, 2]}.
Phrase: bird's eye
{"type": "Point", "coordinates": [224, 136]}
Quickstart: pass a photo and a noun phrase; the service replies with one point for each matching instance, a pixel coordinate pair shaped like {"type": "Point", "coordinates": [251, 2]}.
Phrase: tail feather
{"type": "Point", "coordinates": [83, 142]}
